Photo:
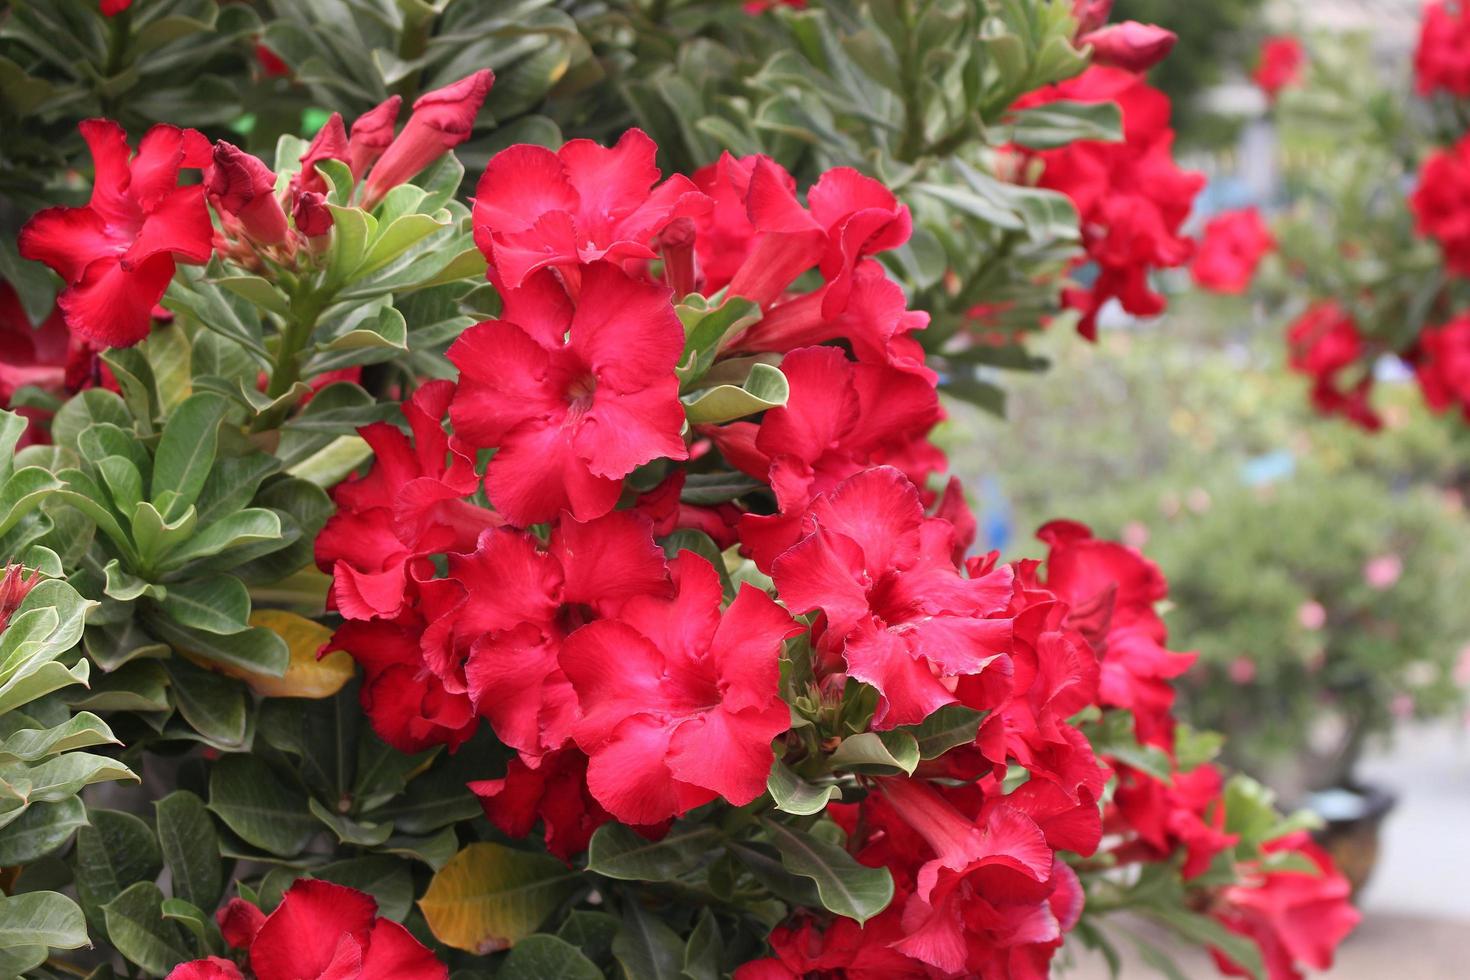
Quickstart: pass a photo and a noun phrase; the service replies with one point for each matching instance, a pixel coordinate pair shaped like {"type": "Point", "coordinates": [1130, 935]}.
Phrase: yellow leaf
{"type": "Point", "coordinates": [306, 677]}
{"type": "Point", "coordinates": [489, 897]}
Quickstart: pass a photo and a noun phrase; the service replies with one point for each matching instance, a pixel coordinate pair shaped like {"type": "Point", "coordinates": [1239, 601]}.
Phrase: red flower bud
{"type": "Point", "coordinates": [270, 63]}
{"type": "Point", "coordinates": [1091, 14]}
{"type": "Point", "coordinates": [441, 120]}
{"type": "Point", "coordinates": [111, 8]}
{"type": "Point", "coordinates": [14, 587]}
{"type": "Point", "coordinates": [330, 143]}
{"type": "Point", "coordinates": [242, 186]}
{"type": "Point", "coordinates": [1130, 45]}
{"type": "Point", "coordinates": [311, 214]}
{"type": "Point", "coordinates": [371, 135]}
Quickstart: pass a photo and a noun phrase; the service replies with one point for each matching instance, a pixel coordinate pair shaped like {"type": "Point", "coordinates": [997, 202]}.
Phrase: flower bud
{"type": "Point", "coordinates": [441, 120]}
{"type": "Point", "coordinates": [330, 143]}
{"type": "Point", "coordinates": [1130, 45]}
{"type": "Point", "coordinates": [1091, 14]}
{"type": "Point", "coordinates": [313, 218]}
{"type": "Point", "coordinates": [372, 132]}
{"type": "Point", "coordinates": [242, 186]}
{"type": "Point", "coordinates": [676, 245]}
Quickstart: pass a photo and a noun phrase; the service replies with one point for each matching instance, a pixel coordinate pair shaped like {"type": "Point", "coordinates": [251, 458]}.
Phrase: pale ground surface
{"type": "Point", "coordinates": [1416, 910]}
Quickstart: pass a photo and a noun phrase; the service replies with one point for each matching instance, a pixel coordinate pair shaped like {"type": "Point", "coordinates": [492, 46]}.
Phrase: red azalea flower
{"type": "Point", "coordinates": [1281, 62]}
{"type": "Point", "coordinates": [839, 419]}
{"type": "Point", "coordinates": [897, 610]}
{"type": "Point", "coordinates": [409, 504]}
{"type": "Point", "coordinates": [575, 399]}
{"type": "Point", "coordinates": [1130, 45]}
{"type": "Point", "coordinates": [111, 8]}
{"type": "Point", "coordinates": [1441, 204]}
{"type": "Point", "coordinates": [372, 134]}
{"type": "Point", "coordinates": [1131, 196]}
{"type": "Point", "coordinates": [554, 792]}
{"type": "Point", "coordinates": [1442, 365]}
{"type": "Point", "coordinates": [1298, 918]}
{"type": "Point", "coordinates": [320, 931]}
{"type": "Point", "coordinates": [1442, 58]}
{"type": "Point", "coordinates": [679, 701]}
{"type": "Point", "coordinates": [1324, 343]}
{"type": "Point", "coordinates": [514, 604]}
{"type": "Point", "coordinates": [441, 120]}
{"type": "Point", "coordinates": [242, 188]}
{"type": "Point", "coordinates": [117, 254]}
{"type": "Point", "coordinates": [1230, 251]}
{"type": "Point", "coordinates": [1111, 591]}
{"type": "Point", "coordinates": [536, 209]}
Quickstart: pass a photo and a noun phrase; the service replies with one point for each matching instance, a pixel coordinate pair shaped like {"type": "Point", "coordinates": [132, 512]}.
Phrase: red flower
{"type": "Point", "coordinates": [897, 610]}
{"type": "Point", "coordinates": [372, 134]}
{"type": "Point", "coordinates": [270, 63]}
{"type": "Point", "coordinates": [514, 605]}
{"type": "Point", "coordinates": [1442, 365]}
{"type": "Point", "coordinates": [839, 419]}
{"type": "Point", "coordinates": [1441, 204]}
{"type": "Point", "coordinates": [1324, 343]}
{"type": "Point", "coordinates": [407, 505]}
{"type": "Point", "coordinates": [1131, 196]}
{"type": "Point", "coordinates": [111, 8]}
{"type": "Point", "coordinates": [320, 931]}
{"type": "Point", "coordinates": [575, 399]}
{"type": "Point", "coordinates": [310, 214]}
{"type": "Point", "coordinates": [679, 701]}
{"type": "Point", "coordinates": [48, 357]}
{"type": "Point", "coordinates": [568, 209]}
{"type": "Point", "coordinates": [1186, 812]}
{"type": "Point", "coordinates": [242, 188]}
{"type": "Point", "coordinates": [554, 792]}
{"type": "Point", "coordinates": [1091, 14]}
{"type": "Point", "coordinates": [1232, 248]}
{"type": "Point", "coordinates": [1297, 917]}
{"type": "Point", "coordinates": [754, 7]}
{"type": "Point", "coordinates": [1442, 58]}
{"type": "Point", "coordinates": [1130, 45]}
{"type": "Point", "coordinates": [1281, 62]}
{"type": "Point", "coordinates": [1111, 591]}
{"type": "Point", "coordinates": [117, 254]}
{"type": "Point", "coordinates": [441, 120]}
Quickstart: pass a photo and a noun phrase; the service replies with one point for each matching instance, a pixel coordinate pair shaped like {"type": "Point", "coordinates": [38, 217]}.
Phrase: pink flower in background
{"type": "Point", "coordinates": [1280, 66]}
{"type": "Point", "coordinates": [1242, 670]}
{"type": "Point", "coordinates": [1311, 615]}
{"type": "Point", "coordinates": [1382, 572]}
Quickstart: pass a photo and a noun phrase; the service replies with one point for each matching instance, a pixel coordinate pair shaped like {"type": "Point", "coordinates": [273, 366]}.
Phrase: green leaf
{"type": "Point", "coordinates": [190, 847]}
{"type": "Point", "coordinates": [88, 408]}
{"type": "Point", "coordinates": [1208, 932]}
{"type": "Point", "coordinates": [214, 705]}
{"type": "Point", "coordinates": [795, 795]}
{"type": "Point", "coordinates": [78, 732]}
{"type": "Point", "coordinates": [238, 529]}
{"type": "Point", "coordinates": [766, 387]}
{"type": "Point", "coordinates": [352, 229]}
{"type": "Point", "coordinates": [137, 928]}
{"type": "Point", "coordinates": [185, 454]}
{"type": "Point", "coordinates": [646, 947]}
{"type": "Point", "coordinates": [845, 886]}
{"type": "Point", "coordinates": [262, 810]}
{"type": "Point", "coordinates": [118, 850]}
{"type": "Point", "coordinates": [257, 649]}
{"type": "Point", "coordinates": [878, 753]}
{"type": "Point", "coordinates": [215, 604]}
{"type": "Point", "coordinates": [543, 957]}
{"type": "Point", "coordinates": [618, 852]}
{"type": "Point", "coordinates": [40, 830]}
{"type": "Point", "coordinates": [41, 918]}
{"type": "Point", "coordinates": [259, 292]}
{"type": "Point", "coordinates": [591, 932]}
{"type": "Point", "coordinates": [398, 237]}
{"type": "Point", "coordinates": [387, 879]}
{"type": "Point", "coordinates": [1056, 124]}
{"type": "Point", "coordinates": [491, 897]}
{"type": "Point", "coordinates": [952, 725]}
{"type": "Point", "coordinates": [349, 831]}
{"type": "Point", "coordinates": [706, 329]}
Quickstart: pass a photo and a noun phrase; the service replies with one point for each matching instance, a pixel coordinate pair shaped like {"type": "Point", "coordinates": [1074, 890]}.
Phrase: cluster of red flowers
{"type": "Point", "coordinates": [1442, 59]}
{"type": "Point", "coordinates": [118, 254]}
{"type": "Point", "coordinates": [320, 931]}
{"type": "Point", "coordinates": [532, 590]}
{"type": "Point", "coordinates": [982, 887]}
{"type": "Point", "coordinates": [1441, 204]}
{"type": "Point", "coordinates": [1441, 361]}
{"type": "Point", "coordinates": [1230, 251]}
{"type": "Point", "coordinates": [1325, 345]}
{"type": "Point", "coordinates": [1132, 197]}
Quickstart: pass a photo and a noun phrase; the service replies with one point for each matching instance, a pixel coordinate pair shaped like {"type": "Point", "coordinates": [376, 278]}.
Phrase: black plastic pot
{"type": "Point", "coordinates": [1353, 819]}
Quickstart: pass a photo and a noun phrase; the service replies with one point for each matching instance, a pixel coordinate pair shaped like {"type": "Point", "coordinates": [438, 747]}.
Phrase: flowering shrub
{"type": "Point", "coordinates": [620, 492]}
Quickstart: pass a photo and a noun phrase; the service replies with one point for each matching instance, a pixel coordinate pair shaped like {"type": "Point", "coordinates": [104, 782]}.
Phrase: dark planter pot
{"type": "Point", "coordinates": [1353, 819]}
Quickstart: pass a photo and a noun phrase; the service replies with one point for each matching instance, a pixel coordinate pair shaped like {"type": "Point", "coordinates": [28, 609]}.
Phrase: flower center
{"type": "Point", "coordinates": [579, 395]}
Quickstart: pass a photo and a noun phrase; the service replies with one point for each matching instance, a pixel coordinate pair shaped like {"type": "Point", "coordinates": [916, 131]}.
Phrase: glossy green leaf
{"type": "Point", "coordinates": [793, 794]}
{"type": "Point", "coordinates": [765, 388]}
{"type": "Point", "coordinates": [190, 848]}
{"type": "Point", "coordinates": [618, 852]}
{"type": "Point", "coordinates": [543, 957]}
{"type": "Point", "coordinates": [878, 753]}
{"type": "Point", "coordinates": [137, 928]}
{"type": "Point", "coordinates": [41, 918]}
{"type": "Point", "coordinates": [186, 452]}
{"type": "Point", "coordinates": [259, 807]}
{"type": "Point", "coordinates": [646, 947]}
{"type": "Point", "coordinates": [845, 886]}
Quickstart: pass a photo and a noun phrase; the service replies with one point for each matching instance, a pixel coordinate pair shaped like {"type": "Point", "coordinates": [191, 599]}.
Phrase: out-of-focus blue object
{"type": "Point", "coordinates": [997, 525]}
{"type": "Point", "coordinates": [1268, 468]}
